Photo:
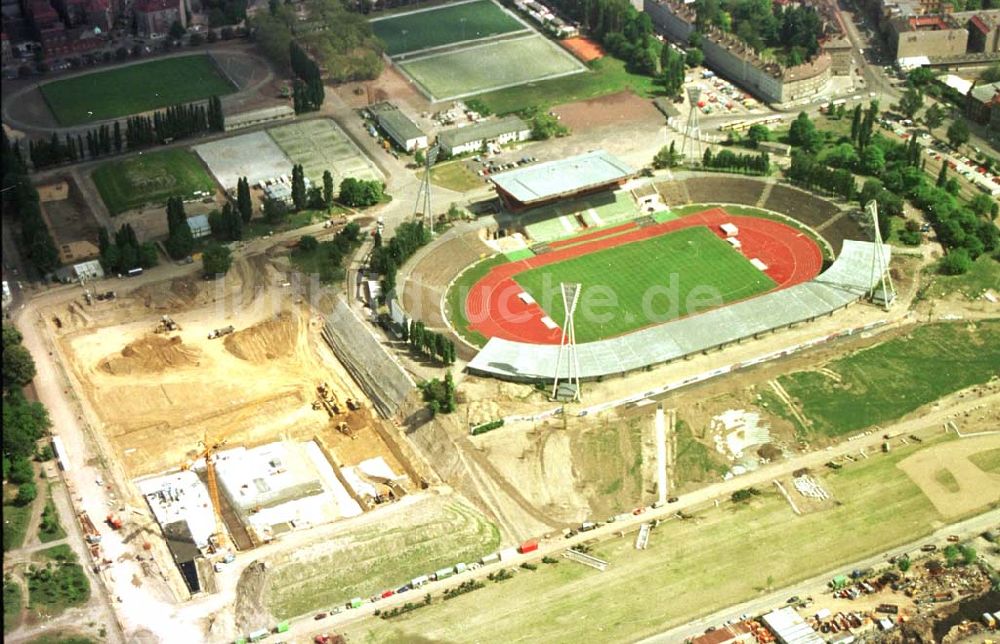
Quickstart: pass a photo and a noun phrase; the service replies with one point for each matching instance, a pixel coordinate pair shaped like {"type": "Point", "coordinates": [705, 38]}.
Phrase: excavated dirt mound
{"type": "Point", "coordinates": [151, 354]}
{"type": "Point", "coordinates": [268, 340]}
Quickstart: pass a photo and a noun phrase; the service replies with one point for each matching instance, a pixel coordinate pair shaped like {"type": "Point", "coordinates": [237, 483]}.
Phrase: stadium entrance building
{"type": "Point", "coordinates": [545, 183]}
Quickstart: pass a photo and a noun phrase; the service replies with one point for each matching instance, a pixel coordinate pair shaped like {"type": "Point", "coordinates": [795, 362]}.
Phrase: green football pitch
{"type": "Point", "coordinates": [442, 26]}
{"type": "Point", "coordinates": [150, 179]}
{"type": "Point", "coordinates": [134, 88]}
{"type": "Point", "coordinates": [646, 282]}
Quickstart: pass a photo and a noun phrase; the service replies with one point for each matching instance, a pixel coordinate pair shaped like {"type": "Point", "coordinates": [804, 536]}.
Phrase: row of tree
{"type": "Point", "coordinates": [24, 421]}
{"type": "Point", "coordinates": [806, 170]}
{"type": "Point", "coordinates": [175, 122]}
{"type": "Point", "coordinates": [126, 252]}
{"type": "Point", "coordinates": [387, 258]}
{"type": "Point", "coordinates": [625, 32]}
{"type": "Point", "coordinates": [308, 92]}
{"type": "Point", "coordinates": [20, 202]}
{"type": "Point", "coordinates": [180, 239]}
{"type": "Point", "coordinates": [427, 342]}
{"type": "Point", "coordinates": [736, 162]}
{"type": "Point", "coordinates": [226, 225]}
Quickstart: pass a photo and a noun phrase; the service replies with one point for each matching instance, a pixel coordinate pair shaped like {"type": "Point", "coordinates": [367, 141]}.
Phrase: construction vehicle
{"type": "Point", "coordinates": [218, 541]}
{"type": "Point", "coordinates": [166, 325]}
{"type": "Point", "coordinates": [327, 400]}
{"type": "Point", "coordinates": [395, 490]}
{"type": "Point", "coordinates": [90, 532]}
{"type": "Point", "coordinates": [344, 429]}
{"type": "Point", "coordinates": [114, 521]}
{"type": "Point", "coordinates": [218, 333]}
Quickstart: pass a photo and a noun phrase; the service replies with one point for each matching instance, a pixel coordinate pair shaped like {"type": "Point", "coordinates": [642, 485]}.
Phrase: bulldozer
{"type": "Point", "coordinates": [327, 400]}
{"type": "Point", "coordinates": [344, 429]}
{"type": "Point", "coordinates": [166, 325]}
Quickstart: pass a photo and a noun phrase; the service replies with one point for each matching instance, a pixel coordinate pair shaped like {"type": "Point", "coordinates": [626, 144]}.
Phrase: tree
{"type": "Point", "coordinates": [180, 241]}
{"type": "Point", "coordinates": [18, 366]}
{"type": "Point", "coordinates": [694, 57]}
{"type": "Point", "coordinates": [942, 177]}
{"type": "Point", "coordinates": [26, 493]}
{"type": "Point", "coordinates": [216, 259]}
{"type": "Point", "coordinates": [981, 204]}
{"type": "Point", "coordinates": [308, 243]}
{"type": "Point", "coordinates": [275, 210]}
{"type": "Point", "coordinates": [21, 472]}
{"type": "Point", "coordinates": [758, 133]}
{"type": "Point", "coordinates": [911, 102]}
{"type": "Point", "coordinates": [856, 123]}
{"type": "Point", "coordinates": [956, 262]}
{"type": "Point", "coordinates": [903, 563]}
{"type": "Point", "coordinates": [958, 132]}
{"type": "Point", "coordinates": [328, 188]}
{"type": "Point", "coordinates": [546, 126]}
{"type": "Point", "coordinates": [177, 30]}
{"type": "Point", "coordinates": [360, 193]}
{"type": "Point", "coordinates": [803, 133]}
{"type": "Point", "coordinates": [24, 422]}
{"type": "Point", "coordinates": [298, 187]}
{"type": "Point", "coordinates": [667, 157]}
{"type": "Point", "coordinates": [934, 116]}
{"type": "Point", "coordinates": [243, 202]}
{"type": "Point", "coordinates": [968, 554]}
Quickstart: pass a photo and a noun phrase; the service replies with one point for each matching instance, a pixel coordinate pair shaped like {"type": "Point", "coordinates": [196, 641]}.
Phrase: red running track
{"type": "Point", "coordinates": [494, 309]}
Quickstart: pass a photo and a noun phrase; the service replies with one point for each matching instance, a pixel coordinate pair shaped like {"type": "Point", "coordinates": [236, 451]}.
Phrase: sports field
{"type": "Point", "coordinates": [321, 145]}
{"type": "Point", "coordinates": [649, 282]}
{"type": "Point", "coordinates": [150, 179]}
{"type": "Point", "coordinates": [490, 66]}
{"type": "Point", "coordinates": [134, 88]}
{"type": "Point", "coordinates": [936, 359]}
{"type": "Point", "coordinates": [646, 592]}
{"type": "Point", "coordinates": [443, 26]}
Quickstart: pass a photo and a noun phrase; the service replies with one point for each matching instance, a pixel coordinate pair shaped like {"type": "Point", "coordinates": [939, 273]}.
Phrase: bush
{"type": "Point", "coordinates": [956, 262]}
{"type": "Point", "coordinates": [487, 427]}
{"type": "Point", "coordinates": [26, 493]}
{"type": "Point", "coordinates": [910, 237]}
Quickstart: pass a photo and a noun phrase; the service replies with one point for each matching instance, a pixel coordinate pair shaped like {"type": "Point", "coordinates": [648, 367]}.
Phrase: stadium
{"type": "Point", "coordinates": [667, 269]}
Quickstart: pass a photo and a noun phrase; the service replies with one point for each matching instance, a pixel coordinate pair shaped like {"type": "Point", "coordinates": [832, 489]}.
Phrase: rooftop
{"type": "Point", "coordinates": [397, 124]}
{"type": "Point", "coordinates": [986, 92]}
{"type": "Point", "coordinates": [562, 177]}
{"type": "Point", "coordinates": [790, 628]}
{"type": "Point", "coordinates": [149, 6]}
{"type": "Point", "coordinates": [481, 131]}
{"type": "Point", "coordinates": [725, 634]}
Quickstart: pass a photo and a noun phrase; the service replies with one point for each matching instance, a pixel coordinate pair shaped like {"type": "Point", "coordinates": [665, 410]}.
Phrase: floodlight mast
{"type": "Point", "coordinates": [880, 275]}
{"type": "Point", "coordinates": [567, 343]}
{"type": "Point", "coordinates": [692, 129]}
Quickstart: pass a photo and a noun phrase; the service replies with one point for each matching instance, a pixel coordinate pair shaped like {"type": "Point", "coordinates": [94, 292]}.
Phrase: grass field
{"type": "Point", "coordinates": [455, 176]}
{"type": "Point", "coordinates": [380, 557]}
{"type": "Point", "coordinates": [947, 480]}
{"type": "Point", "coordinates": [891, 379]}
{"type": "Point", "coordinates": [608, 459]}
{"type": "Point", "coordinates": [481, 68]}
{"type": "Point", "coordinates": [988, 461]}
{"type": "Point", "coordinates": [642, 593]}
{"type": "Point", "coordinates": [15, 519]}
{"type": "Point", "coordinates": [150, 179]}
{"type": "Point", "coordinates": [651, 281]}
{"type": "Point", "coordinates": [321, 145]}
{"type": "Point", "coordinates": [443, 26]}
{"type": "Point", "coordinates": [605, 76]}
{"type": "Point", "coordinates": [984, 275]}
{"type": "Point", "coordinates": [695, 465]}
{"type": "Point", "coordinates": [11, 606]}
{"type": "Point", "coordinates": [134, 88]}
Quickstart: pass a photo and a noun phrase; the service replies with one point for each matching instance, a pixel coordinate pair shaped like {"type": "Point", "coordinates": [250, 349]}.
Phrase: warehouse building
{"type": "Point", "coordinates": [398, 127]}
{"type": "Point", "coordinates": [472, 138]}
{"type": "Point", "coordinates": [537, 185]}
{"type": "Point", "coordinates": [789, 627]}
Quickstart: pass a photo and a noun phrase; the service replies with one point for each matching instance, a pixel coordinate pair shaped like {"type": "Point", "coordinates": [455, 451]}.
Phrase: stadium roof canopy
{"type": "Point", "coordinates": [563, 177]}
{"type": "Point", "coordinates": [847, 280]}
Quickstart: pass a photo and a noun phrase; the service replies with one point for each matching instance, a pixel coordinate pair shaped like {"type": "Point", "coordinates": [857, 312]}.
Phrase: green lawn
{"type": "Point", "coordinates": [695, 464]}
{"type": "Point", "coordinates": [605, 76]}
{"type": "Point", "coordinates": [985, 274]}
{"type": "Point", "coordinates": [988, 461]}
{"type": "Point", "coordinates": [893, 378]}
{"type": "Point", "coordinates": [645, 592]}
{"type": "Point", "coordinates": [455, 176]}
{"type": "Point", "coordinates": [150, 178]}
{"type": "Point", "coordinates": [459, 292]}
{"type": "Point", "coordinates": [947, 480]}
{"type": "Point", "coordinates": [15, 519]}
{"type": "Point", "coordinates": [443, 26]}
{"type": "Point", "coordinates": [608, 462]}
{"type": "Point", "coordinates": [646, 282]}
{"type": "Point", "coordinates": [380, 557]}
{"type": "Point", "coordinates": [485, 67]}
{"type": "Point", "coordinates": [11, 606]}
{"type": "Point", "coordinates": [134, 88]}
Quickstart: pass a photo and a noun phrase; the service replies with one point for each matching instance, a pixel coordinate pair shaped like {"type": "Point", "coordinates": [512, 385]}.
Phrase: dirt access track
{"type": "Point", "coordinates": [159, 395]}
{"type": "Point", "coordinates": [923, 468]}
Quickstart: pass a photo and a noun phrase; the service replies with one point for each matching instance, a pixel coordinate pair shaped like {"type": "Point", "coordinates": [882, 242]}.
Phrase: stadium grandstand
{"type": "Point", "coordinates": [546, 183]}
{"type": "Point", "coordinates": [847, 280]}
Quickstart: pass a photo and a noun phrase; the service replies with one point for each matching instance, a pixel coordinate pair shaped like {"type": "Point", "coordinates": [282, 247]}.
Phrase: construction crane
{"type": "Point", "coordinates": [217, 540]}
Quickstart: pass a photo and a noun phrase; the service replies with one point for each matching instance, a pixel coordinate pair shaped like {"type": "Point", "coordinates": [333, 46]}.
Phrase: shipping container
{"type": "Point", "coordinates": [528, 546]}
{"type": "Point", "coordinates": [258, 635]}
{"type": "Point", "coordinates": [357, 602]}
{"type": "Point", "coordinates": [444, 573]}
{"type": "Point", "coordinates": [419, 581]}
{"type": "Point", "coordinates": [488, 559]}
{"type": "Point", "coordinates": [507, 554]}
{"type": "Point", "coordinates": [281, 627]}
{"type": "Point", "coordinates": [460, 568]}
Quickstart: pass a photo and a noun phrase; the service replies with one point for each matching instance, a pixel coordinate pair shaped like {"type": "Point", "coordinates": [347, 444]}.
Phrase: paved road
{"type": "Point", "coordinates": [930, 423]}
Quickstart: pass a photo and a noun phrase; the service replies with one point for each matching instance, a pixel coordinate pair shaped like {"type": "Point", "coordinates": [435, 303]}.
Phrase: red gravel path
{"type": "Point", "coordinates": [494, 309]}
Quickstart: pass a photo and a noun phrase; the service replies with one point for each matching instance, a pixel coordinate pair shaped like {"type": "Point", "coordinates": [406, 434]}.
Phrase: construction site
{"type": "Point", "coordinates": [228, 411]}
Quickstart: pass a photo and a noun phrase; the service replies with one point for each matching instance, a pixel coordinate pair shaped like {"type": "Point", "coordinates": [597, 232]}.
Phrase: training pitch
{"type": "Point", "coordinates": [321, 145]}
{"type": "Point", "coordinates": [439, 26]}
{"type": "Point", "coordinates": [134, 88]}
{"type": "Point", "coordinates": [639, 278]}
{"type": "Point", "coordinates": [150, 179]}
{"type": "Point", "coordinates": [490, 66]}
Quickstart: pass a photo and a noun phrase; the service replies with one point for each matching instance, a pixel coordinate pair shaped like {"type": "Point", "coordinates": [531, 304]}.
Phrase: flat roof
{"type": "Point", "coordinates": [848, 279]}
{"type": "Point", "coordinates": [482, 131]}
{"type": "Point", "coordinates": [985, 93]}
{"type": "Point", "coordinates": [562, 177]}
{"type": "Point", "coordinates": [790, 628]}
{"type": "Point", "coordinates": [397, 124]}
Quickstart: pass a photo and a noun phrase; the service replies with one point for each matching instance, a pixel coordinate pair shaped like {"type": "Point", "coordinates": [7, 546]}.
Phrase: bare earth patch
{"type": "Point", "coordinates": [924, 466]}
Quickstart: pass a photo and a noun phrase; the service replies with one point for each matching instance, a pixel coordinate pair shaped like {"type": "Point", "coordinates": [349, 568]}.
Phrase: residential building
{"type": "Point", "coordinates": [156, 16]}
{"type": "Point", "coordinates": [984, 30]}
{"type": "Point", "coordinates": [841, 53]}
{"type": "Point", "coordinates": [981, 101]}
{"type": "Point", "coordinates": [930, 36]}
{"type": "Point", "coordinates": [472, 138]}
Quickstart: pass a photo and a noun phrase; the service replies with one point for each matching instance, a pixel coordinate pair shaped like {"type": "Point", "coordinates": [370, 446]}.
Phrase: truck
{"type": "Point", "coordinates": [258, 635]}
{"type": "Point", "coordinates": [218, 333]}
{"type": "Point", "coordinates": [357, 602]}
{"type": "Point", "coordinates": [528, 546]}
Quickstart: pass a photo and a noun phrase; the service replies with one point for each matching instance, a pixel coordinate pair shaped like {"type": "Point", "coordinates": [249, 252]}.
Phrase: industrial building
{"type": "Point", "coordinates": [472, 138]}
{"type": "Point", "coordinates": [544, 183]}
{"type": "Point", "coordinates": [789, 627]}
{"type": "Point", "coordinates": [398, 127]}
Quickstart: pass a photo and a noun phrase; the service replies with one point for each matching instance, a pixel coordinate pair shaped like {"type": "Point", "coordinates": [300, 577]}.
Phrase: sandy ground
{"type": "Point", "coordinates": [954, 457]}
